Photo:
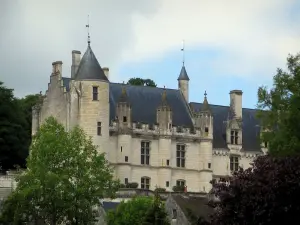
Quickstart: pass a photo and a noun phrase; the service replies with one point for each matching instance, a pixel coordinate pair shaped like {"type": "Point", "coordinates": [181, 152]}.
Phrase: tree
{"type": "Point", "coordinates": [65, 178]}
{"type": "Point", "coordinates": [130, 213]}
{"type": "Point", "coordinates": [141, 82]}
{"type": "Point", "coordinates": [156, 214]}
{"type": "Point", "coordinates": [280, 114]}
{"type": "Point", "coordinates": [12, 132]}
{"type": "Point", "coordinates": [266, 194]}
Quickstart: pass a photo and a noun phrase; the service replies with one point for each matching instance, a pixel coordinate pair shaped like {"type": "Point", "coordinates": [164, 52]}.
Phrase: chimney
{"type": "Point", "coordinates": [236, 103]}
{"type": "Point", "coordinates": [76, 55]}
{"type": "Point", "coordinates": [57, 67]}
{"type": "Point", "coordinates": [106, 72]}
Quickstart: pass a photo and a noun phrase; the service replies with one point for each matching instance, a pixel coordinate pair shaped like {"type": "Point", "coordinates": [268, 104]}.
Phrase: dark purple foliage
{"type": "Point", "coordinates": [268, 193]}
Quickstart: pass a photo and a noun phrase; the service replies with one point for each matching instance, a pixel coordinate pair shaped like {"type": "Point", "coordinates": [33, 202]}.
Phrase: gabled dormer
{"type": "Point", "coordinates": [164, 113]}
{"type": "Point", "coordinates": [234, 129]}
{"type": "Point", "coordinates": [123, 110]}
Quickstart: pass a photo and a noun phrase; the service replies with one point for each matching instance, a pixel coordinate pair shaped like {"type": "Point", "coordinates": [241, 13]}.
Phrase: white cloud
{"type": "Point", "coordinates": [255, 36]}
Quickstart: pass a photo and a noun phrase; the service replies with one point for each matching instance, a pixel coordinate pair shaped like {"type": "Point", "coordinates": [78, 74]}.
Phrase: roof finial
{"type": "Point", "coordinates": [88, 30]}
{"type": "Point", "coordinates": [182, 49]}
{"type": "Point", "coordinates": [205, 94]}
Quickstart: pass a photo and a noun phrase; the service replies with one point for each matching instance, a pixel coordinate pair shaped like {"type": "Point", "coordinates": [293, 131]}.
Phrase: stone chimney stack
{"type": "Point", "coordinates": [236, 103]}
{"type": "Point", "coordinates": [76, 55]}
{"type": "Point", "coordinates": [57, 67]}
{"type": "Point", "coordinates": [106, 72]}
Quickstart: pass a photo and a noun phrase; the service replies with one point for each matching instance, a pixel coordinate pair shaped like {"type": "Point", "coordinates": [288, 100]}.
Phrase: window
{"type": "Point", "coordinates": [145, 183]}
{"type": "Point", "coordinates": [180, 183]}
{"type": "Point", "coordinates": [180, 155]}
{"type": "Point", "coordinates": [121, 148]}
{"type": "Point", "coordinates": [174, 214]}
{"type": "Point", "coordinates": [234, 137]}
{"type": "Point", "coordinates": [167, 183]}
{"type": "Point", "coordinates": [206, 130]}
{"type": "Point", "coordinates": [168, 162]}
{"type": "Point", "coordinates": [126, 181]}
{"type": "Point", "coordinates": [124, 119]}
{"type": "Point", "coordinates": [265, 144]}
{"type": "Point", "coordinates": [234, 163]}
{"type": "Point", "coordinates": [126, 158]}
{"type": "Point", "coordinates": [99, 128]}
{"type": "Point", "coordinates": [209, 165]}
{"type": "Point", "coordinates": [95, 93]}
{"type": "Point", "coordinates": [145, 152]}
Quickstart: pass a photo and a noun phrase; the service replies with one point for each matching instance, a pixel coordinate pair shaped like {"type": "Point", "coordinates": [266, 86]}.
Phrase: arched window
{"type": "Point", "coordinates": [145, 183]}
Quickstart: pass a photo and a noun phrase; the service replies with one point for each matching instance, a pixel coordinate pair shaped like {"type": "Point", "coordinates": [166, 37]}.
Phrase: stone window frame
{"type": "Point", "coordinates": [180, 183]}
{"type": "Point", "coordinates": [145, 182]}
{"type": "Point", "coordinates": [99, 128]}
{"type": "Point", "coordinates": [145, 152]}
{"type": "Point", "coordinates": [234, 161]}
{"type": "Point", "coordinates": [95, 93]}
{"type": "Point", "coordinates": [234, 137]}
{"type": "Point", "coordinates": [181, 155]}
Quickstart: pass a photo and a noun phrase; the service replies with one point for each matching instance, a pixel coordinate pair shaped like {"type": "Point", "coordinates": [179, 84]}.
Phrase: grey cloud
{"type": "Point", "coordinates": [35, 33]}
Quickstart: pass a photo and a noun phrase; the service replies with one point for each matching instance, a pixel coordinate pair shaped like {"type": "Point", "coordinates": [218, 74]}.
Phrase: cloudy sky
{"type": "Point", "coordinates": [232, 44]}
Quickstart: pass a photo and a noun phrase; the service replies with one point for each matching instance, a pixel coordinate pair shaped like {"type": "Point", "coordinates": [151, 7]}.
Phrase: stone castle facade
{"type": "Point", "coordinates": [152, 136]}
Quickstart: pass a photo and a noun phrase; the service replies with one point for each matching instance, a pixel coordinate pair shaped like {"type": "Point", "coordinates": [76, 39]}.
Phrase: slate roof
{"type": "Point", "coordinates": [145, 100]}
{"type": "Point", "coordinates": [110, 205]}
{"type": "Point", "coordinates": [89, 67]}
{"type": "Point", "coordinates": [250, 126]}
{"type": "Point", "coordinates": [197, 205]}
{"type": "Point", "coordinates": [183, 74]}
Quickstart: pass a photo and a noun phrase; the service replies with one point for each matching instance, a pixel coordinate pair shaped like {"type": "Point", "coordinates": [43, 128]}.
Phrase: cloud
{"type": "Point", "coordinates": [253, 37]}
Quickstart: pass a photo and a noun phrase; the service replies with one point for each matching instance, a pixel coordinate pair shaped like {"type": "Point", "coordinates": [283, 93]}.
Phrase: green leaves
{"type": "Point", "coordinates": [280, 110]}
{"type": "Point", "coordinates": [65, 177]}
{"type": "Point", "coordinates": [141, 82]}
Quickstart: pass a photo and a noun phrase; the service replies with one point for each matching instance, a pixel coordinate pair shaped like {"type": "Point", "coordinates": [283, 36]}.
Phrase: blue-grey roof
{"type": "Point", "coordinates": [250, 126]}
{"type": "Point", "coordinates": [145, 100]}
{"type": "Point", "coordinates": [66, 82]}
{"type": "Point", "coordinates": [89, 67]}
{"type": "Point", "coordinates": [183, 74]}
{"type": "Point", "coordinates": [110, 205]}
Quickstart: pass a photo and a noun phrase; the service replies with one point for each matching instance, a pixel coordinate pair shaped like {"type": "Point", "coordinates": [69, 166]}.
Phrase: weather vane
{"type": "Point", "coordinates": [88, 30]}
{"type": "Point", "coordinates": [182, 49]}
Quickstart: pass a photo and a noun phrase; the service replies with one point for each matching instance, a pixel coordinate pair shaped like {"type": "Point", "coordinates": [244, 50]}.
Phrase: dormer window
{"type": "Point", "coordinates": [234, 137]}
{"type": "Point", "coordinates": [124, 119]}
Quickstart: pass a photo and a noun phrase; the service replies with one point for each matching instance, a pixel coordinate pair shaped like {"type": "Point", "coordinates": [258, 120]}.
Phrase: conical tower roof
{"type": "Point", "coordinates": [183, 74]}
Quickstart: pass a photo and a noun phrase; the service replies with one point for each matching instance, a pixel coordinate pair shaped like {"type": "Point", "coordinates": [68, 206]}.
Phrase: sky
{"type": "Point", "coordinates": [233, 44]}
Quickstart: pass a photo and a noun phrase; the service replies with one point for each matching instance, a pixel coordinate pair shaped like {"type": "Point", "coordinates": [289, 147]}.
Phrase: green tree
{"type": "Point", "coordinates": [280, 114]}
{"type": "Point", "coordinates": [156, 214]}
{"type": "Point", "coordinates": [65, 178]}
{"type": "Point", "coordinates": [12, 132]}
{"type": "Point", "coordinates": [132, 212]}
{"type": "Point", "coordinates": [141, 82]}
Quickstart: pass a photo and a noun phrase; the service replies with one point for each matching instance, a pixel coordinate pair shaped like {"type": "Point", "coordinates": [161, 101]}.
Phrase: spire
{"type": "Point", "coordinates": [205, 106]}
{"type": "Point", "coordinates": [123, 97]}
{"type": "Point", "coordinates": [182, 49]}
{"type": "Point", "coordinates": [88, 30]}
{"type": "Point", "coordinates": [183, 74]}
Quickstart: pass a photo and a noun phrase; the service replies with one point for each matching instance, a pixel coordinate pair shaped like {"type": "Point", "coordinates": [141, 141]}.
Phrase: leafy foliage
{"type": "Point", "coordinates": [13, 149]}
{"type": "Point", "coordinates": [268, 193]}
{"type": "Point", "coordinates": [281, 118]}
{"type": "Point", "coordinates": [141, 82]}
{"type": "Point", "coordinates": [130, 213]}
{"type": "Point", "coordinates": [65, 178]}
{"type": "Point", "coordinates": [196, 220]}
{"type": "Point", "coordinates": [139, 211]}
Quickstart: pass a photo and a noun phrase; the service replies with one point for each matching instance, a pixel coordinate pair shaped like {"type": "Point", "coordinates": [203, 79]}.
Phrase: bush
{"type": "Point", "coordinates": [132, 185]}
{"type": "Point", "coordinates": [160, 190]}
{"type": "Point", "coordinates": [178, 188]}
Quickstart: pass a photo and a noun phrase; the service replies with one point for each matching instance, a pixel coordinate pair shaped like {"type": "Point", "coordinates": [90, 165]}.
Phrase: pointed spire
{"type": "Point", "coordinates": [164, 101]}
{"type": "Point", "coordinates": [205, 106]}
{"type": "Point", "coordinates": [183, 74]}
{"type": "Point", "coordinates": [123, 97]}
